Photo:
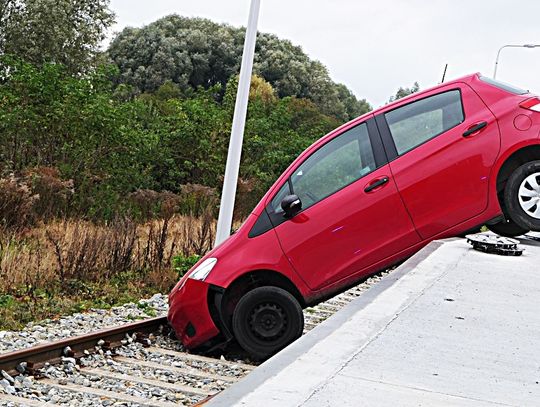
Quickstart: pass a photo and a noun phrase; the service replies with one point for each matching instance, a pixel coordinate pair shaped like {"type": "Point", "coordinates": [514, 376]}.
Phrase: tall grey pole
{"type": "Point", "coordinates": [237, 133]}
{"type": "Point", "coordinates": [497, 59]}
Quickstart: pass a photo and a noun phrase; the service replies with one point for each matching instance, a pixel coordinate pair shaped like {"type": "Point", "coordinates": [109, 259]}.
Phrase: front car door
{"type": "Point", "coordinates": [441, 151]}
{"type": "Point", "coordinates": [352, 215]}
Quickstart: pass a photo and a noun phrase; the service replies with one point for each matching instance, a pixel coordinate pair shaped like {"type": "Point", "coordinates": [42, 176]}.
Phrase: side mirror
{"type": "Point", "coordinates": [291, 205]}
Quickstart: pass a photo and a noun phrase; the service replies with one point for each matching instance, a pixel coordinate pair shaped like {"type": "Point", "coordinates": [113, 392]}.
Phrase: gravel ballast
{"type": "Point", "coordinates": [137, 377]}
{"type": "Point", "coordinates": [81, 323]}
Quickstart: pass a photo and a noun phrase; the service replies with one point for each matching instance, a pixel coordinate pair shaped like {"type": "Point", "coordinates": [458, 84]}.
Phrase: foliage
{"type": "Point", "coordinates": [71, 266]}
{"type": "Point", "coordinates": [182, 264]}
{"type": "Point", "coordinates": [16, 203]}
{"type": "Point", "coordinates": [402, 92]}
{"type": "Point", "coordinates": [99, 149]}
{"type": "Point", "coordinates": [51, 119]}
{"type": "Point", "coordinates": [65, 32]}
{"type": "Point", "coordinates": [195, 52]}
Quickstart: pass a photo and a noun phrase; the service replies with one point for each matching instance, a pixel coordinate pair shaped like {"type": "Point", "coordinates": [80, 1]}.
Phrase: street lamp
{"type": "Point", "coordinates": [511, 46]}
{"type": "Point", "coordinates": [237, 133]}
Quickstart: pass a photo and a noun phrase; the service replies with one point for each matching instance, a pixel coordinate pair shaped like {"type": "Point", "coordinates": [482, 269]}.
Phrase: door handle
{"type": "Point", "coordinates": [474, 128]}
{"type": "Point", "coordinates": [376, 184]}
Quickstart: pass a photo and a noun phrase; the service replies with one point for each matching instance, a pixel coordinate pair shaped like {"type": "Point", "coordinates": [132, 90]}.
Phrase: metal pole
{"type": "Point", "coordinates": [237, 133]}
{"type": "Point", "coordinates": [497, 60]}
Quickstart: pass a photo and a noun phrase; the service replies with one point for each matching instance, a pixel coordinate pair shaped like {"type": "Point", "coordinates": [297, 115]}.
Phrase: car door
{"type": "Point", "coordinates": [352, 215]}
{"type": "Point", "coordinates": [441, 149]}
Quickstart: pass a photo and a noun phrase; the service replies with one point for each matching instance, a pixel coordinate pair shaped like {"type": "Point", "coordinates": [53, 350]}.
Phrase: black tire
{"type": "Point", "coordinates": [472, 231]}
{"type": "Point", "coordinates": [514, 198]}
{"type": "Point", "coordinates": [267, 319]}
{"type": "Point", "coordinates": [507, 228]}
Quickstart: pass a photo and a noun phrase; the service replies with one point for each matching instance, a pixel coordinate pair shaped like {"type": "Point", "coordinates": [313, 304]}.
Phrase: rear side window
{"type": "Point", "coordinates": [504, 86]}
{"type": "Point", "coordinates": [414, 124]}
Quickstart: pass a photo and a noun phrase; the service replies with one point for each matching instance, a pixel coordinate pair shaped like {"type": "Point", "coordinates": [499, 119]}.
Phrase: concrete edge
{"type": "Point", "coordinates": [281, 360]}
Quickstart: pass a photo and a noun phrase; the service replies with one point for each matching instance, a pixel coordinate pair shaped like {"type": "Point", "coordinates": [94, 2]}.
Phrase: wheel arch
{"type": "Point", "coordinates": [259, 278]}
{"type": "Point", "coordinates": [513, 162]}
{"type": "Point", "coordinates": [223, 302]}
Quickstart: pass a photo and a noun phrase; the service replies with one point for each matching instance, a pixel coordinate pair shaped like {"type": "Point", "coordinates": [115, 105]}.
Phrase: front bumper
{"type": "Point", "coordinates": [189, 315]}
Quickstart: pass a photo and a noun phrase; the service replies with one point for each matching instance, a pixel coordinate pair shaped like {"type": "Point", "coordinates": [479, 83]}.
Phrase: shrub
{"type": "Point", "coordinates": [54, 193]}
{"type": "Point", "coordinates": [149, 204]}
{"type": "Point", "coordinates": [197, 199]}
{"type": "Point", "coordinates": [17, 202]}
{"type": "Point", "coordinates": [182, 264]}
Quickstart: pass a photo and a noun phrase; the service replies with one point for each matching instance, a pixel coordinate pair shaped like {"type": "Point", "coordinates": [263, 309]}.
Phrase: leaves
{"type": "Point", "coordinates": [182, 264]}
{"type": "Point", "coordinates": [402, 92]}
{"type": "Point", "coordinates": [66, 32]}
{"type": "Point", "coordinates": [110, 144]}
{"type": "Point", "coordinates": [195, 52]}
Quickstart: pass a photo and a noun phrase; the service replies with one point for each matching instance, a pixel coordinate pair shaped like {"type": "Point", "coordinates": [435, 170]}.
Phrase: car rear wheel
{"type": "Point", "coordinates": [522, 196]}
{"type": "Point", "coordinates": [267, 319]}
{"type": "Point", "coordinates": [507, 228]}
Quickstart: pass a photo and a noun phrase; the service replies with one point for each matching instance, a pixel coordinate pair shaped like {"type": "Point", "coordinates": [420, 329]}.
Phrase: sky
{"type": "Point", "coordinates": [374, 47]}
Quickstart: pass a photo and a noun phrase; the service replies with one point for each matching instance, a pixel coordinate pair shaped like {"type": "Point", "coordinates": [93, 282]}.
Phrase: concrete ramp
{"type": "Point", "coordinates": [450, 327]}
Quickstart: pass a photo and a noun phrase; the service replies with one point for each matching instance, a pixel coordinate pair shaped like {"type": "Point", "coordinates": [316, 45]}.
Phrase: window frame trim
{"type": "Point", "coordinates": [379, 154]}
{"type": "Point", "coordinates": [386, 134]}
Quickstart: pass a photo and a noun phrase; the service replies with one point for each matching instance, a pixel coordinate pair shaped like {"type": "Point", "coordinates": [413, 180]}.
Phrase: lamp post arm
{"type": "Point", "coordinates": [497, 59]}
{"type": "Point", "coordinates": [510, 46]}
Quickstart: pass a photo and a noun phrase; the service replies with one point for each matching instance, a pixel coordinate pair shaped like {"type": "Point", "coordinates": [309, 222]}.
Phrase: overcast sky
{"type": "Point", "coordinates": [377, 46]}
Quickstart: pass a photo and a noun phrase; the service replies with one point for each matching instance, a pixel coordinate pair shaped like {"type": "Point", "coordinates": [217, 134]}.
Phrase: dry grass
{"type": "Point", "coordinates": [81, 250]}
{"type": "Point", "coordinates": [53, 262]}
{"type": "Point", "coordinates": [72, 265]}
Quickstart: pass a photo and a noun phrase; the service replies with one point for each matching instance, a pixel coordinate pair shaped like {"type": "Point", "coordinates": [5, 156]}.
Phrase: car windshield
{"type": "Point", "coordinates": [504, 86]}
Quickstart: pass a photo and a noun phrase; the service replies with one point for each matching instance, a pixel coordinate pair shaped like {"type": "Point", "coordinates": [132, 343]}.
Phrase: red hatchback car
{"type": "Point", "coordinates": [366, 196]}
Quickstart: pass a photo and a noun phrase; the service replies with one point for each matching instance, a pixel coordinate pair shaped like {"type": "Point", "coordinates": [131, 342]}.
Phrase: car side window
{"type": "Point", "coordinates": [414, 124]}
{"type": "Point", "coordinates": [335, 165]}
{"type": "Point", "coordinates": [275, 204]}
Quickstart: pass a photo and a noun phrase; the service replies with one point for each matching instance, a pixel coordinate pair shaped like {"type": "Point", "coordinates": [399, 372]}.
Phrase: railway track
{"type": "Point", "coordinates": [135, 364]}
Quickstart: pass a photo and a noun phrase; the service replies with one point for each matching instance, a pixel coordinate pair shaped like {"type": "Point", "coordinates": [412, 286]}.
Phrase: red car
{"type": "Point", "coordinates": [371, 193]}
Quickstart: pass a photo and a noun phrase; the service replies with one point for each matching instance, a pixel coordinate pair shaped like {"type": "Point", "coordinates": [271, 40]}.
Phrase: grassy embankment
{"type": "Point", "coordinates": [73, 265]}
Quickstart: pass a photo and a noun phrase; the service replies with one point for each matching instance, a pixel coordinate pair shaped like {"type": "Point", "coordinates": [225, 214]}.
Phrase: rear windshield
{"type": "Point", "coordinates": [504, 86]}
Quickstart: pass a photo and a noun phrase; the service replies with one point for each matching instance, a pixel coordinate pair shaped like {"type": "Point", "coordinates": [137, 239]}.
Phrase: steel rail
{"type": "Point", "coordinates": [52, 352]}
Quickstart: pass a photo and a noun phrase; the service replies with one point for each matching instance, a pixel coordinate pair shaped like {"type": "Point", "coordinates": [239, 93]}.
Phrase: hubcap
{"type": "Point", "coordinates": [268, 321]}
{"type": "Point", "coordinates": [529, 195]}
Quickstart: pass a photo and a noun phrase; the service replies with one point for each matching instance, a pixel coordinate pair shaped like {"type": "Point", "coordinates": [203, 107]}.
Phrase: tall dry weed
{"type": "Point", "coordinates": [61, 251]}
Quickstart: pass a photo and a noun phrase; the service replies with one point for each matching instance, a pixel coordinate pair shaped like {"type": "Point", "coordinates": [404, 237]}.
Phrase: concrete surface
{"type": "Point", "coordinates": [452, 326]}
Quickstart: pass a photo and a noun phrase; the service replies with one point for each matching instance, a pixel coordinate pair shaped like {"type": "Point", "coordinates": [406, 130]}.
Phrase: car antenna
{"type": "Point", "coordinates": [444, 73]}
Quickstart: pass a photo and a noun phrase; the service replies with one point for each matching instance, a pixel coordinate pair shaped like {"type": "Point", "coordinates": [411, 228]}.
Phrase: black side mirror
{"type": "Point", "coordinates": [291, 205]}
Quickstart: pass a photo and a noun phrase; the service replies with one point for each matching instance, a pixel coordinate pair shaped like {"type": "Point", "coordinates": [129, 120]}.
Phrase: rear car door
{"type": "Point", "coordinates": [352, 215]}
{"type": "Point", "coordinates": [441, 149]}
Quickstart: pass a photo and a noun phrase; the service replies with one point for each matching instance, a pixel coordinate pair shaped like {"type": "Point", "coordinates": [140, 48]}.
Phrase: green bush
{"type": "Point", "coordinates": [105, 147]}
{"type": "Point", "coordinates": [182, 264]}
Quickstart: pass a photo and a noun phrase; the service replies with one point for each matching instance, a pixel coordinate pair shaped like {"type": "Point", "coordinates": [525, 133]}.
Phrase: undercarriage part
{"type": "Point", "coordinates": [493, 244]}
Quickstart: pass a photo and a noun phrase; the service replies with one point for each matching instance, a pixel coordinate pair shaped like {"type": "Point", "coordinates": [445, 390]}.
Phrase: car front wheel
{"type": "Point", "coordinates": [267, 319]}
{"type": "Point", "coordinates": [522, 196]}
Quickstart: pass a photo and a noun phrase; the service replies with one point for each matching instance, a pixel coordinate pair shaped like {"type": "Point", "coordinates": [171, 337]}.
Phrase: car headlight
{"type": "Point", "coordinates": [203, 269]}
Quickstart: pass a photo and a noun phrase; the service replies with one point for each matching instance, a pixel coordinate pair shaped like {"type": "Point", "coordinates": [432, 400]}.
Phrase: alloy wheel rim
{"type": "Point", "coordinates": [529, 195]}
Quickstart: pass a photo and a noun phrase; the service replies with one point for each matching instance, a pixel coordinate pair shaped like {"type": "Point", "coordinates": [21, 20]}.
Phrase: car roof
{"type": "Point", "coordinates": [463, 79]}
{"type": "Point", "coordinates": [389, 106]}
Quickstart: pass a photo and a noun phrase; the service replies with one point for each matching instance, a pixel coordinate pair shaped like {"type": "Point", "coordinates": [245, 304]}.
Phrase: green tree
{"type": "Point", "coordinates": [111, 144]}
{"type": "Point", "coordinates": [48, 118]}
{"type": "Point", "coordinates": [8, 8]}
{"type": "Point", "coordinates": [67, 32]}
{"type": "Point", "coordinates": [195, 52]}
{"type": "Point", "coordinates": [402, 92]}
